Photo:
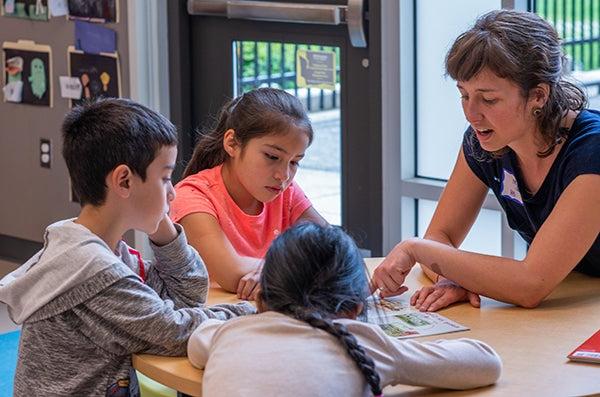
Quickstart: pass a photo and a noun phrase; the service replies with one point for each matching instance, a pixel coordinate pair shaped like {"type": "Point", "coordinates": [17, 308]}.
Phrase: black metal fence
{"type": "Point", "coordinates": [578, 24]}
{"type": "Point", "coordinates": [273, 64]}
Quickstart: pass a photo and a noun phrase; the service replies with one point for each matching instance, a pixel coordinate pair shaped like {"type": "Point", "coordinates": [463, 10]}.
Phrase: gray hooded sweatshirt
{"type": "Point", "coordinates": [85, 310]}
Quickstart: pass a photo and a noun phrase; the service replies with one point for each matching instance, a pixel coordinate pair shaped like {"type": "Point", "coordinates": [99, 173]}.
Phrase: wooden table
{"type": "Point", "coordinates": [533, 343]}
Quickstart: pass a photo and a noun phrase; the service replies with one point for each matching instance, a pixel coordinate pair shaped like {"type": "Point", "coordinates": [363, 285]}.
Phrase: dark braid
{"type": "Point", "coordinates": [354, 349]}
{"type": "Point", "coordinates": [316, 274]}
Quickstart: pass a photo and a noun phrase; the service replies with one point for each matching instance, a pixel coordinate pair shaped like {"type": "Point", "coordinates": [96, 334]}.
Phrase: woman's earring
{"type": "Point", "coordinates": [537, 112]}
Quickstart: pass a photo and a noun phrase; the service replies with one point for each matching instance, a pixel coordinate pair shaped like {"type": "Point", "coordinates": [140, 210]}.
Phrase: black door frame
{"type": "Point", "coordinates": [192, 48]}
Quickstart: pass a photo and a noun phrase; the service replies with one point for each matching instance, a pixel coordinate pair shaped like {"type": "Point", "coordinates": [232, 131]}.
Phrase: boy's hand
{"type": "Point", "coordinates": [249, 285]}
{"type": "Point", "coordinates": [165, 233]}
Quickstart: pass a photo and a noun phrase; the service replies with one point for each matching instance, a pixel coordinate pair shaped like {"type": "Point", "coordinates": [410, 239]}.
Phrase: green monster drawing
{"type": "Point", "coordinates": [37, 79]}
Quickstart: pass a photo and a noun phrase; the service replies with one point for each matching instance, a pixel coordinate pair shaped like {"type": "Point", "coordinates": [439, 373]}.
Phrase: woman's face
{"type": "Point", "coordinates": [497, 110]}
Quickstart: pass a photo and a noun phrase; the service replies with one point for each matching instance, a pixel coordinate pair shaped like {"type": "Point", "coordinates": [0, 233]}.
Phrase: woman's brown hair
{"type": "Point", "coordinates": [524, 48]}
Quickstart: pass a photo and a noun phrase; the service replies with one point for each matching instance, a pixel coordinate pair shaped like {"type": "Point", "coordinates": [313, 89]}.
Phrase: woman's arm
{"type": "Point", "coordinates": [456, 211]}
{"type": "Point", "coordinates": [562, 241]}
{"type": "Point", "coordinates": [224, 264]}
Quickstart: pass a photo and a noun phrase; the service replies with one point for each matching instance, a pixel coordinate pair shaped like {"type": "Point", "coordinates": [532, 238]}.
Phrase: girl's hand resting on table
{"type": "Point", "coordinates": [249, 285]}
{"type": "Point", "coordinates": [442, 294]}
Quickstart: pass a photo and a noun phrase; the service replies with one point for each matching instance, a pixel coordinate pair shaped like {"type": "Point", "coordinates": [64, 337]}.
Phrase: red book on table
{"type": "Point", "coordinates": [588, 351]}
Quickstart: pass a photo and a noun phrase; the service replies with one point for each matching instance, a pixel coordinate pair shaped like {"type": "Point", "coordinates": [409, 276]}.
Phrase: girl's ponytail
{"type": "Point", "coordinates": [254, 114]}
{"type": "Point", "coordinates": [315, 273]}
{"type": "Point", "coordinates": [209, 151]}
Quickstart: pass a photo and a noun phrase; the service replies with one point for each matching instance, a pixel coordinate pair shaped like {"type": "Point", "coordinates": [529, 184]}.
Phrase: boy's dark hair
{"type": "Point", "coordinates": [314, 274]}
{"type": "Point", "coordinates": [100, 135]}
{"type": "Point", "coordinates": [524, 48]}
{"type": "Point", "coordinates": [256, 113]}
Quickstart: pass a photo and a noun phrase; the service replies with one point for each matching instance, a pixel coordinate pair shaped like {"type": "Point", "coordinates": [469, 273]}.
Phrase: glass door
{"type": "Point", "coordinates": [220, 56]}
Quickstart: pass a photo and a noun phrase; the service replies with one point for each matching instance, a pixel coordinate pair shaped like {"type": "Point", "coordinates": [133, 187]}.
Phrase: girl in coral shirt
{"type": "Point", "coordinates": [238, 191]}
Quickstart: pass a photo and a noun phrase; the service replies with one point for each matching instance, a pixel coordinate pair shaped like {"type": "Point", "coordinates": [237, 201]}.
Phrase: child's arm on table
{"type": "Point", "coordinates": [200, 342]}
{"type": "Point", "coordinates": [431, 363]}
{"type": "Point", "coordinates": [436, 363]}
{"type": "Point", "coordinates": [224, 264]}
{"type": "Point", "coordinates": [248, 285]}
{"type": "Point", "coordinates": [129, 317]}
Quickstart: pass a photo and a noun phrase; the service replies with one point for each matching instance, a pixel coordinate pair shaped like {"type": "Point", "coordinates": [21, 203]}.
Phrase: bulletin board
{"type": "Point", "coordinates": [39, 196]}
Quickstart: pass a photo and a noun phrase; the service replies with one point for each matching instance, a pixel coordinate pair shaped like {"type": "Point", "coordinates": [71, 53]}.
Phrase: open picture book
{"type": "Point", "coordinates": [399, 319]}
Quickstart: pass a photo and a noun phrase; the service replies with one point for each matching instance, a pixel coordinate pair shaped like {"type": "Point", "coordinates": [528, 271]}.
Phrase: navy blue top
{"type": "Point", "coordinates": [580, 154]}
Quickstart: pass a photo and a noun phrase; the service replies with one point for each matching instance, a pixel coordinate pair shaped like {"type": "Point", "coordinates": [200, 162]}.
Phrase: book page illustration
{"type": "Point", "coordinates": [399, 319]}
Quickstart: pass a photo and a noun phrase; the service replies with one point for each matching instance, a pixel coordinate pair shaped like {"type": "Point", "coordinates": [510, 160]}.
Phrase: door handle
{"type": "Point", "coordinates": [323, 14]}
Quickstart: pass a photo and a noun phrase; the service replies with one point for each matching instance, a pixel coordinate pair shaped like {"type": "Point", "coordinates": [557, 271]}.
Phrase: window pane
{"type": "Point", "coordinates": [440, 121]}
{"type": "Point", "coordinates": [484, 237]}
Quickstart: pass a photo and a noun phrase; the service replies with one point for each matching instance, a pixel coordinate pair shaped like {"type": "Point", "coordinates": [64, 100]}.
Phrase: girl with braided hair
{"type": "Point", "coordinates": [307, 341]}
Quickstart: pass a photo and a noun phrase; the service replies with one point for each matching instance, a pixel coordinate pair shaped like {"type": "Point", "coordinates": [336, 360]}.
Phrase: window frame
{"type": "Point", "coordinates": [401, 195]}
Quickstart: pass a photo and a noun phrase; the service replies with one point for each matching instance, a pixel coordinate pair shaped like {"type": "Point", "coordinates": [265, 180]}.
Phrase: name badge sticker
{"type": "Point", "coordinates": [510, 189]}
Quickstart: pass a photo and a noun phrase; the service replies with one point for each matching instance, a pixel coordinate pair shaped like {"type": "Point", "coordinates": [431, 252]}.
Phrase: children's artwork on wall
{"type": "Point", "coordinates": [27, 71]}
{"type": "Point", "coordinates": [58, 8]}
{"type": "Point", "coordinates": [28, 9]}
{"type": "Point", "coordinates": [98, 73]}
{"type": "Point", "coordinates": [94, 10]}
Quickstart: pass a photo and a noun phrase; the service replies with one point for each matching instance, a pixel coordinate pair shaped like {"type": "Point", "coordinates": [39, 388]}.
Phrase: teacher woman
{"type": "Point", "coordinates": [535, 145]}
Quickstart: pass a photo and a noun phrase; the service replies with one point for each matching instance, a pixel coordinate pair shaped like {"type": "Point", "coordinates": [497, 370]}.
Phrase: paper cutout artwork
{"type": "Point", "coordinates": [70, 87]}
{"type": "Point", "coordinates": [98, 73]}
{"type": "Point", "coordinates": [58, 8]}
{"type": "Point", "coordinates": [13, 92]}
{"type": "Point", "coordinates": [105, 79]}
{"type": "Point", "coordinates": [14, 68]}
{"type": "Point", "coordinates": [37, 79]}
{"type": "Point", "coordinates": [27, 73]}
{"type": "Point", "coordinates": [93, 10]}
{"type": "Point", "coordinates": [28, 9]}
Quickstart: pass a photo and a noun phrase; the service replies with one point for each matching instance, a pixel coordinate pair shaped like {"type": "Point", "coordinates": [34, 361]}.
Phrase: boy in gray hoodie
{"type": "Point", "coordinates": [87, 301]}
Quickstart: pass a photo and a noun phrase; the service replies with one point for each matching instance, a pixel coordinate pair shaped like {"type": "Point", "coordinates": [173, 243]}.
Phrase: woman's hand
{"type": "Point", "coordinates": [442, 294]}
{"type": "Point", "coordinates": [389, 276]}
{"type": "Point", "coordinates": [249, 285]}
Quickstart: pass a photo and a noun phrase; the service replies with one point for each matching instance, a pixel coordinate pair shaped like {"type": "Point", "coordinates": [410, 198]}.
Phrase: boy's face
{"type": "Point", "coordinates": [151, 198]}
